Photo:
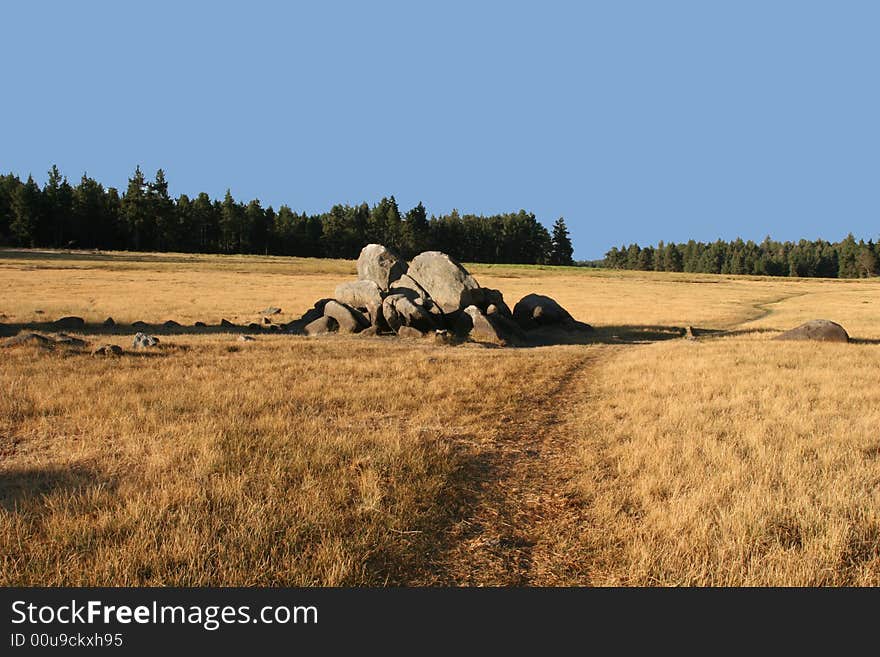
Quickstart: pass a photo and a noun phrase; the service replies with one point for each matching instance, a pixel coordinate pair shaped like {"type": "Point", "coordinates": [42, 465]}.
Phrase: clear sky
{"type": "Point", "coordinates": [636, 121]}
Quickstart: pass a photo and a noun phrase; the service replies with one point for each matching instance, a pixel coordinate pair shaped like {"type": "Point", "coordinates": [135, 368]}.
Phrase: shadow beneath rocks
{"type": "Point", "coordinates": [23, 488]}
{"type": "Point", "coordinates": [7, 330]}
{"type": "Point", "coordinates": [864, 340]}
{"type": "Point", "coordinates": [621, 334]}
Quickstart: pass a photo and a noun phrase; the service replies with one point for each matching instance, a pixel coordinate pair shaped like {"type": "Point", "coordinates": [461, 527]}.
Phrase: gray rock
{"type": "Point", "coordinates": [28, 338]}
{"type": "Point", "coordinates": [494, 298]}
{"type": "Point", "coordinates": [348, 319]}
{"type": "Point", "coordinates": [399, 310]}
{"type": "Point", "coordinates": [246, 338]}
{"type": "Point", "coordinates": [445, 281]}
{"type": "Point", "coordinates": [107, 350]}
{"type": "Point", "coordinates": [142, 341]}
{"type": "Point", "coordinates": [380, 265]}
{"type": "Point", "coordinates": [409, 332]}
{"type": "Point", "coordinates": [494, 328]}
{"type": "Point", "coordinates": [321, 326]}
{"type": "Point", "coordinates": [271, 310]}
{"type": "Point", "coordinates": [308, 316]}
{"type": "Point", "coordinates": [370, 332]}
{"type": "Point", "coordinates": [362, 295]}
{"type": "Point", "coordinates": [821, 330]}
{"type": "Point", "coordinates": [538, 310]}
{"type": "Point", "coordinates": [70, 323]}
{"type": "Point", "coordinates": [444, 338]}
{"type": "Point", "coordinates": [408, 286]}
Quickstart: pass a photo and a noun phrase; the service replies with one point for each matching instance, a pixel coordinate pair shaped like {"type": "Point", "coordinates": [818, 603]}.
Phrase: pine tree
{"type": "Point", "coordinates": [161, 210]}
{"type": "Point", "coordinates": [415, 231]}
{"type": "Point", "coordinates": [26, 213]}
{"type": "Point", "coordinates": [561, 249]}
{"type": "Point", "coordinates": [135, 211]}
{"type": "Point", "coordinates": [56, 229]}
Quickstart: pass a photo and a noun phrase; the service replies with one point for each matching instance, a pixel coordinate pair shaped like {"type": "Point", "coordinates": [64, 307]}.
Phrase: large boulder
{"type": "Point", "coordinates": [362, 295]}
{"type": "Point", "coordinates": [494, 328]}
{"type": "Point", "coordinates": [535, 310]}
{"type": "Point", "coordinates": [321, 326]}
{"type": "Point", "coordinates": [821, 330]}
{"type": "Point", "coordinates": [447, 283]}
{"type": "Point", "coordinates": [349, 319]}
{"type": "Point", "coordinates": [399, 310]}
{"type": "Point", "coordinates": [380, 265]}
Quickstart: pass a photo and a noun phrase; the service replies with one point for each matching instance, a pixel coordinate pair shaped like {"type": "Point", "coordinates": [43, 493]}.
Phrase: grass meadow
{"type": "Point", "coordinates": [638, 459]}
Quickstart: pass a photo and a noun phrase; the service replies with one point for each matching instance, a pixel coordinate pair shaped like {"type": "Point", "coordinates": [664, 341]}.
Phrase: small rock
{"type": "Point", "coordinates": [109, 322]}
{"type": "Point", "coordinates": [370, 332]}
{"type": "Point", "coordinates": [107, 350]}
{"type": "Point", "coordinates": [142, 341]}
{"type": "Point", "coordinates": [409, 332]}
{"type": "Point", "coordinates": [226, 323]}
{"type": "Point", "coordinates": [70, 323]}
{"type": "Point", "coordinates": [689, 333]}
{"type": "Point", "coordinates": [271, 310]}
{"type": "Point", "coordinates": [246, 338]}
{"type": "Point", "coordinates": [200, 325]}
{"type": "Point", "coordinates": [171, 324]}
{"type": "Point", "coordinates": [140, 325]}
{"type": "Point", "coordinates": [444, 337]}
{"type": "Point", "coordinates": [266, 320]}
{"type": "Point", "coordinates": [321, 326]}
{"type": "Point", "coordinates": [253, 326]}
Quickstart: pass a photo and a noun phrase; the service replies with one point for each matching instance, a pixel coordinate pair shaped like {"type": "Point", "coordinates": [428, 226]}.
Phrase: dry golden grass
{"type": "Point", "coordinates": [733, 462]}
{"type": "Point", "coordinates": [294, 461]}
{"type": "Point", "coordinates": [283, 461]}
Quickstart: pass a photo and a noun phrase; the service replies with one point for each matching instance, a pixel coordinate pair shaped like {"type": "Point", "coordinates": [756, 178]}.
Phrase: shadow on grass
{"type": "Point", "coordinates": [7, 330]}
{"type": "Point", "coordinates": [23, 488]}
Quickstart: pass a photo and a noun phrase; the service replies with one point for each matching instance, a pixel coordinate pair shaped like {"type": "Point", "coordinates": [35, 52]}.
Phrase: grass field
{"type": "Point", "coordinates": [638, 459]}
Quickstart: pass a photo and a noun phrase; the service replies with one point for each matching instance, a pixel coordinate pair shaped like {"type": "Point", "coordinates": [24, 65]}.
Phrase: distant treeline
{"type": "Point", "coordinates": [145, 218]}
{"type": "Point", "coordinates": [845, 259]}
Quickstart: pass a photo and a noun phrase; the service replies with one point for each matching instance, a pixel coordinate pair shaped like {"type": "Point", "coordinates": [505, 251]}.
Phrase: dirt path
{"type": "Point", "coordinates": [518, 503]}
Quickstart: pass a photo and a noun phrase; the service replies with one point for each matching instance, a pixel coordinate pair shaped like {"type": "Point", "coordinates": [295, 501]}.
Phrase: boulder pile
{"type": "Point", "coordinates": [431, 295]}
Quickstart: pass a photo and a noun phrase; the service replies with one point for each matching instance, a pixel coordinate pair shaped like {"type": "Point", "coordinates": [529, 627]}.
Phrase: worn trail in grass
{"type": "Point", "coordinates": [522, 517]}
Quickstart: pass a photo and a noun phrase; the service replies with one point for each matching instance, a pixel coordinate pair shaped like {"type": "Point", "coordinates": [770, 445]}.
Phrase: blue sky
{"type": "Point", "coordinates": [636, 121]}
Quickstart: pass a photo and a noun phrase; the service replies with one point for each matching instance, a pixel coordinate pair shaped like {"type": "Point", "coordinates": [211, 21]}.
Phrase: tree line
{"type": "Point", "coordinates": [845, 259]}
{"type": "Point", "coordinates": [146, 218]}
